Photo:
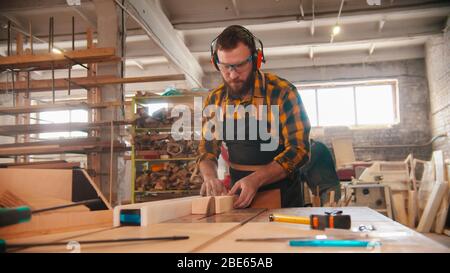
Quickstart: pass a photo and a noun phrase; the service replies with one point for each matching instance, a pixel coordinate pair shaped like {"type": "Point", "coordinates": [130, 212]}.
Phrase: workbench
{"type": "Point", "coordinates": [218, 233]}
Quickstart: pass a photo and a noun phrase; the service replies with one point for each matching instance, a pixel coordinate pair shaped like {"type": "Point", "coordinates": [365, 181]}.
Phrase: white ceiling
{"type": "Point", "coordinates": [292, 34]}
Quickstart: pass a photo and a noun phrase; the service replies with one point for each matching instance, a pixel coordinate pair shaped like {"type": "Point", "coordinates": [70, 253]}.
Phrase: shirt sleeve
{"type": "Point", "coordinates": [208, 149]}
{"type": "Point", "coordinates": [295, 128]}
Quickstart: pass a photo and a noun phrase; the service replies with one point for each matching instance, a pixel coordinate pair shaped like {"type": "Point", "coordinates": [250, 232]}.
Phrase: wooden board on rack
{"type": "Point", "coordinates": [57, 107]}
{"type": "Point", "coordinates": [11, 130]}
{"type": "Point", "coordinates": [84, 145]}
{"type": "Point", "coordinates": [83, 82]}
{"type": "Point", "coordinates": [44, 61]}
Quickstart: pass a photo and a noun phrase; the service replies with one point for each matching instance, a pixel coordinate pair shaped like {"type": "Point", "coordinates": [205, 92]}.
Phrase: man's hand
{"type": "Point", "coordinates": [212, 187]}
{"type": "Point", "coordinates": [248, 187]}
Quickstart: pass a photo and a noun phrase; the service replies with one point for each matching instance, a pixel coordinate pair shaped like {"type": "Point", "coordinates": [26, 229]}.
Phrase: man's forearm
{"type": "Point", "coordinates": [271, 173]}
{"type": "Point", "coordinates": [208, 168]}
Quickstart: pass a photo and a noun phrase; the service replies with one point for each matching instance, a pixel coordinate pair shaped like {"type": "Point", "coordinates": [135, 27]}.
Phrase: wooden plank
{"type": "Point", "coordinates": [442, 213]}
{"type": "Point", "coordinates": [158, 211]}
{"type": "Point", "coordinates": [11, 130]}
{"type": "Point", "coordinates": [412, 208]}
{"type": "Point", "coordinates": [343, 151]}
{"type": "Point", "coordinates": [84, 82]}
{"type": "Point", "coordinates": [58, 222]}
{"type": "Point", "coordinates": [44, 61]}
{"type": "Point", "coordinates": [41, 182]}
{"type": "Point", "coordinates": [398, 205]}
{"type": "Point", "coordinates": [86, 145]}
{"type": "Point", "coordinates": [56, 107]}
{"type": "Point", "coordinates": [438, 159]}
{"type": "Point", "coordinates": [97, 190]}
{"type": "Point", "coordinates": [54, 165]}
{"type": "Point", "coordinates": [440, 188]}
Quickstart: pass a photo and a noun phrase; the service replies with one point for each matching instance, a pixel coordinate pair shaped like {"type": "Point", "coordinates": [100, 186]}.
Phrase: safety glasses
{"type": "Point", "coordinates": [239, 67]}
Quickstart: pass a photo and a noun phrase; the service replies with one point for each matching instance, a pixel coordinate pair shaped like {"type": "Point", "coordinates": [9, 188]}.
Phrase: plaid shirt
{"type": "Point", "coordinates": [293, 120]}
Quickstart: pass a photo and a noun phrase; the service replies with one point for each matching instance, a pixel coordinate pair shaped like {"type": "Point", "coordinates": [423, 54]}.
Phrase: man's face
{"type": "Point", "coordinates": [236, 69]}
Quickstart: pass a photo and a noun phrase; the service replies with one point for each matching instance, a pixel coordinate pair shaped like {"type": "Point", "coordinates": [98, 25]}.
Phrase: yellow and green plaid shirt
{"type": "Point", "coordinates": [293, 120]}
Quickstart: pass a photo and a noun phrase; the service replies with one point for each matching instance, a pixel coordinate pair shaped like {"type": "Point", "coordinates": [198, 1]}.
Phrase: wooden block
{"type": "Point", "coordinates": [158, 211]}
{"type": "Point", "coordinates": [224, 203]}
{"type": "Point", "coordinates": [204, 205]}
{"type": "Point", "coordinates": [432, 206]}
{"type": "Point", "coordinates": [267, 199]}
{"type": "Point", "coordinates": [398, 205]}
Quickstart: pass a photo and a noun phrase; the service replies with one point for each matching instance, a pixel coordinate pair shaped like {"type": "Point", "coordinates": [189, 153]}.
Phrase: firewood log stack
{"type": "Point", "coordinates": [173, 176]}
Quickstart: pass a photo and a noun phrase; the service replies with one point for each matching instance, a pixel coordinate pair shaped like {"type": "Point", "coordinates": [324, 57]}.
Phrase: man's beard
{"type": "Point", "coordinates": [246, 86]}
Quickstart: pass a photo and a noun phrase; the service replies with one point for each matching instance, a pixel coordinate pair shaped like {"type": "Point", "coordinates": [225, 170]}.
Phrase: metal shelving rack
{"type": "Point", "coordinates": [157, 194]}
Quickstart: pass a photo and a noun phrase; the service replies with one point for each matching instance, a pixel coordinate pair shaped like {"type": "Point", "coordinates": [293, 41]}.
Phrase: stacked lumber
{"type": "Point", "coordinates": [154, 145]}
{"type": "Point", "coordinates": [417, 203]}
{"type": "Point", "coordinates": [435, 203]}
{"type": "Point", "coordinates": [170, 176]}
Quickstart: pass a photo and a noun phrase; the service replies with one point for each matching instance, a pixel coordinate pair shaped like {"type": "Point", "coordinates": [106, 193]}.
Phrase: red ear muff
{"type": "Point", "coordinates": [259, 58]}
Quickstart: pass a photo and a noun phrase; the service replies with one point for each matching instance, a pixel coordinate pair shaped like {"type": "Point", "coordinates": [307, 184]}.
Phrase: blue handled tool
{"type": "Point", "coordinates": [334, 243]}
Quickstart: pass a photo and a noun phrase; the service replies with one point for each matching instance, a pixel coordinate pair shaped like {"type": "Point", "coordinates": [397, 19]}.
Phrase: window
{"type": "Point", "coordinates": [63, 117]}
{"type": "Point", "coordinates": [153, 107]}
{"type": "Point", "coordinates": [357, 104]}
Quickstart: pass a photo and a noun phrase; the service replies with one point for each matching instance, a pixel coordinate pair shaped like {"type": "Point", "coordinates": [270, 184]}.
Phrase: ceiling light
{"type": "Point", "coordinates": [57, 50]}
{"type": "Point", "coordinates": [336, 30]}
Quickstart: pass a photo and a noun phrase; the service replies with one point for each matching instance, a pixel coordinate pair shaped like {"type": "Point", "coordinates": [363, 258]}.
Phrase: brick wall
{"type": "Point", "coordinates": [438, 70]}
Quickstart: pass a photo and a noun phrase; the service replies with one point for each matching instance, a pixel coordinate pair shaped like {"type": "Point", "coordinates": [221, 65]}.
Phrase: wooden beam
{"type": "Point", "coordinates": [85, 82]}
{"type": "Point", "coordinates": [44, 61]}
{"type": "Point", "coordinates": [149, 15]}
{"type": "Point", "coordinates": [398, 205]}
{"type": "Point", "coordinates": [11, 130]}
{"type": "Point", "coordinates": [57, 107]}
{"type": "Point", "coordinates": [76, 146]}
{"type": "Point", "coordinates": [440, 189]}
{"type": "Point", "coordinates": [54, 164]}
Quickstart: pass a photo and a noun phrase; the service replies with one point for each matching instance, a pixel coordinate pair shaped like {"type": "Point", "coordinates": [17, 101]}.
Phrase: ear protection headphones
{"type": "Point", "coordinates": [257, 53]}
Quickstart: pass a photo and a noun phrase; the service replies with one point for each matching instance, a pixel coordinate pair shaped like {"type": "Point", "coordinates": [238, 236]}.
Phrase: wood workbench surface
{"type": "Point", "coordinates": [218, 233]}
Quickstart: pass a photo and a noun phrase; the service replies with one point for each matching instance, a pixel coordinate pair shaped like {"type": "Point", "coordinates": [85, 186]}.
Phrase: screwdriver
{"type": "Point", "coordinates": [11, 216]}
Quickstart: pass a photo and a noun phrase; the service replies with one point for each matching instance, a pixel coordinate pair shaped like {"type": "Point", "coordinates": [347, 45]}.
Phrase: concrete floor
{"type": "Point", "coordinates": [440, 238]}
